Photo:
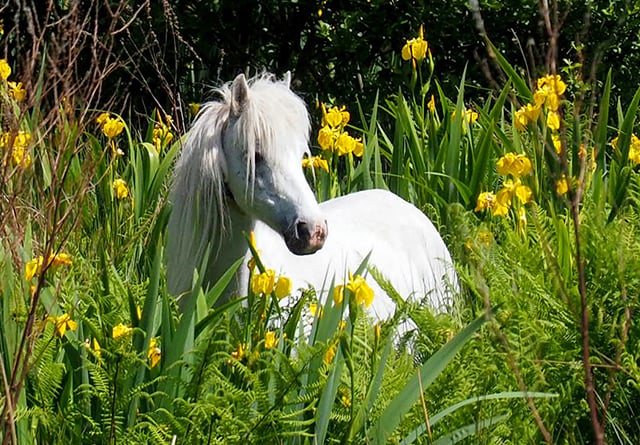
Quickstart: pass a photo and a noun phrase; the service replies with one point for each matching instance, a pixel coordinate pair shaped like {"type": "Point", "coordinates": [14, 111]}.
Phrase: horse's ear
{"type": "Point", "coordinates": [287, 79]}
{"type": "Point", "coordinates": [239, 94]}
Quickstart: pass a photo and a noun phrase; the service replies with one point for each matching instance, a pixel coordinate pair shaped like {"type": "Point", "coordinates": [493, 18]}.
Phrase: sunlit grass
{"type": "Point", "coordinates": [539, 209]}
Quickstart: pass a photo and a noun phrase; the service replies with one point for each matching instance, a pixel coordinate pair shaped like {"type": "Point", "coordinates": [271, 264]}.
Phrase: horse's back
{"type": "Point", "coordinates": [405, 248]}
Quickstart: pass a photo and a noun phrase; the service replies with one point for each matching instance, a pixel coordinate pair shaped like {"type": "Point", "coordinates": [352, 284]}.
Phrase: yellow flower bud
{"type": "Point", "coordinates": [154, 353]}
{"type": "Point", "coordinates": [432, 104]}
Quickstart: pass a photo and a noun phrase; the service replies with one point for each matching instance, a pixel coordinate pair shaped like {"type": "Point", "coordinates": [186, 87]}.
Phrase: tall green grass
{"type": "Point", "coordinates": [508, 363]}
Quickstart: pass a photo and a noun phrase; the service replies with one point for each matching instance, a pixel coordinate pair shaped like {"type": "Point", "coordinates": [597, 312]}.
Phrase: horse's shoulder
{"type": "Point", "coordinates": [377, 204]}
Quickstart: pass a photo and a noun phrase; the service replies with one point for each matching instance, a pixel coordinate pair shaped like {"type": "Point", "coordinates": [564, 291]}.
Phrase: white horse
{"type": "Point", "coordinates": [240, 171]}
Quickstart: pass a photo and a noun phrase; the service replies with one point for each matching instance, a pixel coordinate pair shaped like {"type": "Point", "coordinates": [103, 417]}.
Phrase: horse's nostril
{"type": "Point", "coordinates": [305, 237]}
{"type": "Point", "coordinates": [302, 230]}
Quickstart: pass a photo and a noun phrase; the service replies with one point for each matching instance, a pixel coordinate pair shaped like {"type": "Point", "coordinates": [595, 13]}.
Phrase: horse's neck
{"type": "Point", "coordinates": [231, 245]}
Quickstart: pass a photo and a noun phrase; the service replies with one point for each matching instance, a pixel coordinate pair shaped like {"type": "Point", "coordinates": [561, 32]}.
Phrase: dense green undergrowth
{"type": "Point", "coordinates": [539, 207]}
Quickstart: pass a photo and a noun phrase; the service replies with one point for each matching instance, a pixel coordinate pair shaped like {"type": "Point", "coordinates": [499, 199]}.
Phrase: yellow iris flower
{"type": "Point", "coordinates": [120, 187]}
{"type": "Point", "coordinates": [194, 108]}
{"type": "Point", "coordinates": [415, 49]}
{"type": "Point", "coordinates": [316, 162]}
{"type": "Point", "coordinates": [485, 201]}
{"type": "Point", "coordinates": [18, 143]}
{"type": "Point", "coordinates": [111, 127]}
{"type": "Point", "coordinates": [264, 282]}
{"type": "Point", "coordinates": [119, 331]}
{"type": "Point", "coordinates": [97, 350]}
{"type": "Point", "coordinates": [500, 203]}
{"type": "Point", "coordinates": [332, 136]}
{"type": "Point", "coordinates": [239, 353]}
{"type": "Point", "coordinates": [557, 143]}
{"type": "Point", "coordinates": [517, 189]}
{"type": "Point", "coordinates": [549, 92]}
{"type": "Point", "coordinates": [345, 144]}
{"type": "Point", "coordinates": [562, 186]}
{"type": "Point", "coordinates": [62, 323]}
{"type": "Point", "coordinates": [34, 267]}
{"type": "Point", "coordinates": [283, 287]}
{"type": "Point", "coordinates": [5, 69]}
{"type": "Point", "coordinates": [553, 120]}
{"type": "Point", "coordinates": [514, 164]}
{"type": "Point", "coordinates": [330, 354]}
{"type": "Point", "coordinates": [270, 340]}
{"type": "Point", "coordinates": [361, 290]}
{"type": "Point", "coordinates": [314, 309]}
{"type": "Point", "coordinates": [634, 148]}
{"type": "Point", "coordinates": [335, 117]}
{"type": "Point", "coordinates": [16, 91]}
{"type": "Point", "coordinates": [326, 137]}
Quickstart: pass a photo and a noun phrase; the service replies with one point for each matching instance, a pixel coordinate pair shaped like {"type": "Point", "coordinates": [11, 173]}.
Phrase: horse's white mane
{"type": "Point", "coordinates": [271, 120]}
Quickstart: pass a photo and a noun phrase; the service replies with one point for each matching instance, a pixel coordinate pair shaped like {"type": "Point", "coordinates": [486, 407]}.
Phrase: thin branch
{"type": "Point", "coordinates": [584, 325]}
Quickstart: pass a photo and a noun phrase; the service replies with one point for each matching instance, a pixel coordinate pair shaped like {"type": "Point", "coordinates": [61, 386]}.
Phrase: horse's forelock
{"type": "Point", "coordinates": [277, 118]}
{"type": "Point", "coordinates": [274, 121]}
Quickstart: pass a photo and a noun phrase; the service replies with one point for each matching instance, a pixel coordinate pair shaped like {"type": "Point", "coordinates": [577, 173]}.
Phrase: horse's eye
{"type": "Point", "coordinates": [258, 158]}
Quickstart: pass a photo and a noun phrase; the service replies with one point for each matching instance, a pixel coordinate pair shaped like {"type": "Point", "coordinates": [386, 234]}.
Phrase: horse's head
{"type": "Point", "coordinates": [266, 135]}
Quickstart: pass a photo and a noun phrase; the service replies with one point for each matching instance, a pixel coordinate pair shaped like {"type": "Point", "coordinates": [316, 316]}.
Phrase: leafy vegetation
{"type": "Point", "coordinates": [168, 53]}
{"type": "Point", "coordinates": [535, 188]}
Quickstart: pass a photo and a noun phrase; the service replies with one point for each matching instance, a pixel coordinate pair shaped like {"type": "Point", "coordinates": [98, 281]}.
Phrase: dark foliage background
{"type": "Point", "coordinates": [167, 53]}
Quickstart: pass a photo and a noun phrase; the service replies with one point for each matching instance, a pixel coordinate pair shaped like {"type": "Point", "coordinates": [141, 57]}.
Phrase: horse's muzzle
{"type": "Point", "coordinates": [304, 238]}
